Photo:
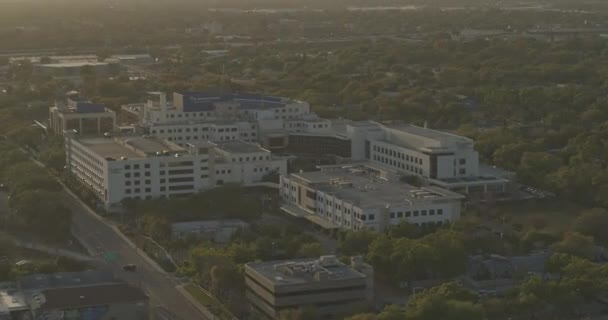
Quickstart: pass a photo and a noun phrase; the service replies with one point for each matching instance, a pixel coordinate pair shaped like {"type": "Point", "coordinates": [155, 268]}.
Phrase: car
{"type": "Point", "coordinates": [129, 267]}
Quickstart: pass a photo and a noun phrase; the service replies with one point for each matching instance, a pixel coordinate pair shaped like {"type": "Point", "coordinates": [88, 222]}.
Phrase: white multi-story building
{"type": "Point", "coordinates": [364, 196]}
{"type": "Point", "coordinates": [148, 167]}
{"type": "Point", "coordinates": [442, 159]}
{"type": "Point", "coordinates": [193, 116]}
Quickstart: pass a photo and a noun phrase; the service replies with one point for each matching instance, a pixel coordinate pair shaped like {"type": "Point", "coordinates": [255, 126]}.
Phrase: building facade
{"type": "Point", "coordinates": [196, 116]}
{"type": "Point", "coordinates": [81, 116]}
{"type": "Point", "coordinates": [325, 284]}
{"type": "Point", "coordinates": [358, 197]}
{"type": "Point", "coordinates": [146, 167]}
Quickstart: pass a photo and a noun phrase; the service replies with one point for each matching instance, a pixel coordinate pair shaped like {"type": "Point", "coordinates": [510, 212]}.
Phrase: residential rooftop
{"type": "Point", "coordinates": [360, 185]}
{"type": "Point", "coordinates": [73, 64]}
{"type": "Point", "coordinates": [301, 271]}
{"type": "Point", "coordinates": [11, 301]}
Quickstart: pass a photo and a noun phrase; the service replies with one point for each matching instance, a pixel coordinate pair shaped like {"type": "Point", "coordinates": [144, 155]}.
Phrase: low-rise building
{"type": "Point", "coordinates": [146, 167]}
{"type": "Point", "coordinates": [325, 284]}
{"type": "Point", "coordinates": [364, 196]}
{"type": "Point", "coordinates": [82, 116]}
{"type": "Point", "coordinates": [220, 231]}
{"type": "Point", "coordinates": [72, 295]}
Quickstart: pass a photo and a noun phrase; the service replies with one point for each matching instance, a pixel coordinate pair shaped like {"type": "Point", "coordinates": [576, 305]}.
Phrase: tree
{"type": "Point", "coordinates": [356, 242]}
{"type": "Point", "coordinates": [309, 250]}
{"type": "Point", "coordinates": [593, 223]}
{"type": "Point", "coordinates": [575, 244]}
{"type": "Point", "coordinates": [41, 212]}
{"type": "Point", "coordinates": [305, 313]}
{"type": "Point", "coordinates": [448, 301]}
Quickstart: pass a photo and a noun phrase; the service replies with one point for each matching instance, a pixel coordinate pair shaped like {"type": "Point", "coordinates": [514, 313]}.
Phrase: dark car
{"type": "Point", "coordinates": [129, 267]}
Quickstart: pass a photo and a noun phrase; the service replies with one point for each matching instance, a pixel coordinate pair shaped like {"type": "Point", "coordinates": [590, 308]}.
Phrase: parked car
{"type": "Point", "coordinates": [129, 267]}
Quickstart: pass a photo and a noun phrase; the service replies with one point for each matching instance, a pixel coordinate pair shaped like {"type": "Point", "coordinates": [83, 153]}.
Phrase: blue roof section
{"type": "Point", "coordinates": [89, 107]}
{"type": "Point", "coordinates": [203, 101]}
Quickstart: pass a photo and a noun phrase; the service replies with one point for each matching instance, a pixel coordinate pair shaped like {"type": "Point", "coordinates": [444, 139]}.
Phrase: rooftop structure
{"type": "Point", "coordinates": [205, 101]}
{"type": "Point", "coordinates": [301, 271]}
{"type": "Point", "coordinates": [329, 285]}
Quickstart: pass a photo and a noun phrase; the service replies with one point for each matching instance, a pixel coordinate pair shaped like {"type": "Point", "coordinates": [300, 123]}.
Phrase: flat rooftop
{"type": "Point", "coordinates": [97, 295]}
{"type": "Point", "coordinates": [239, 146]}
{"type": "Point", "coordinates": [129, 147]}
{"type": "Point", "coordinates": [359, 185]}
{"type": "Point", "coordinates": [300, 271]}
{"type": "Point", "coordinates": [427, 133]}
{"type": "Point", "coordinates": [66, 279]}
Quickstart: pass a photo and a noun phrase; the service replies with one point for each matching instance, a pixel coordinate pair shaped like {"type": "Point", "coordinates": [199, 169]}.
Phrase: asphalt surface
{"type": "Point", "coordinates": [102, 239]}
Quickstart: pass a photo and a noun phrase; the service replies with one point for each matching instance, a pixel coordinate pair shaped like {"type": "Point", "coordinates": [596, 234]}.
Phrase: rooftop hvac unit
{"type": "Point", "coordinates": [328, 261]}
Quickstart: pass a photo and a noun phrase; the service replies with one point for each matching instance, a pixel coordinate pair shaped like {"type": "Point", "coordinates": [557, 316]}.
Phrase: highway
{"type": "Point", "coordinates": [100, 238]}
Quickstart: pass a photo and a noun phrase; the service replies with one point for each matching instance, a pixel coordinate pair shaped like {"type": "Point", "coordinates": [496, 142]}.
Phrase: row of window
{"type": "Point", "coordinates": [162, 188]}
{"type": "Point", "coordinates": [136, 166]}
{"type": "Point", "coordinates": [247, 159]}
{"type": "Point", "coordinates": [195, 129]}
{"type": "Point", "coordinates": [398, 164]}
{"type": "Point", "coordinates": [397, 154]}
{"type": "Point", "coordinates": [416, 213]}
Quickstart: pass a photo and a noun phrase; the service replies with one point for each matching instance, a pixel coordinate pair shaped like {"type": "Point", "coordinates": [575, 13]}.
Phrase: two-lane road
{"type": "Point", "coordinates": [100, 238]}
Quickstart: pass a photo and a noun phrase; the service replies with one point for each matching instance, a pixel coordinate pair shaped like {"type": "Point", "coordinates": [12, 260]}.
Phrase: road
{"type": "Point", "coordinates": [100, 238]}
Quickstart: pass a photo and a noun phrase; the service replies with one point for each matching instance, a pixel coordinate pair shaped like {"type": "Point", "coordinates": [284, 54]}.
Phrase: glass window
{"type": "Point", "coordinates": [372, 216]}
{"type": "Point", "coordinates": [416, 213]}
{"type": "Point", "coordinates": [439, 211]}
{"type": "Point", "coordinates": [432, 212]}
{"type": "Point", "coordinates": [423, 212]}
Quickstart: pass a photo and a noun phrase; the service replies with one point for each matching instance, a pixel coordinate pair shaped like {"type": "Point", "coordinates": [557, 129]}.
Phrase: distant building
{"type": "Point", "coordinates": [73, 70]}
{"type": "Point", "coordinates": [357, 197]}
{"type": "Point", "coordinates": [325, 284]}
{"type": "Point", "coordinates": [219, 231]}
{"type": "Point", "coordinates": [146, 167]}
{"type": "Point", "coordinates": [81, 115]}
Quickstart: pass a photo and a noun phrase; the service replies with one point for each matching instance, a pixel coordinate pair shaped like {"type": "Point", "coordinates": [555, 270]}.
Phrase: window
{"type": "Point", "coordinates": [462, 171]}
{"type": "Point", "coordinates": [148, 182]}
{"type": "Point", "coordinates": [147, 166]}
{"type": "Point", "coordinates": [128, 191]}
{"type": "Point", "coordinates": [162, 173]}
{"type": "Point", "coordinates": [137, 190]}
{"type": "Point", "coordinates": [136, 174]}
{"type": "Point", "coordinates": [372, 216]}
{"type": "Point", "coordinates": [399, 214]}
{"type": "Point", "coordinates": [136, 167]}
{"type": "Point", "coordinates": [137, 182]}
{"type": "Point", "coordinates": [127, 166]}
{"type": "Point", "coordinates": [462, 161]}
{"type": "Point", "coordinates": [147, 173]}
{"type": "Point", "coordinates": [163, 188]}
{"type": "Point", "coordinates": [432, 212]}
{"type": "Point", "coordinates": [148, 190]}
{"type": "Point", "coordinates": [128, 183]}
{"type": "Point", "coordinates": [416, 213]}
{"type": "Point", "coordinates": [363, 217]}
{"type": "Point", "coordinates": [408, 214]}
{"type": "Point", "coordinates": [423, 212]}
{"type": "Point", "coordinates": [439, 211]}
{"type": "Point", "coordinates": [392, 215]}
{"type": "Point", "coordinates": [127, 175]}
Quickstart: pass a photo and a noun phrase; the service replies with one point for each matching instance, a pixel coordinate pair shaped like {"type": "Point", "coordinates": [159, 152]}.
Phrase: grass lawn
{"type": "Point", "coordinates": [210, 302]}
